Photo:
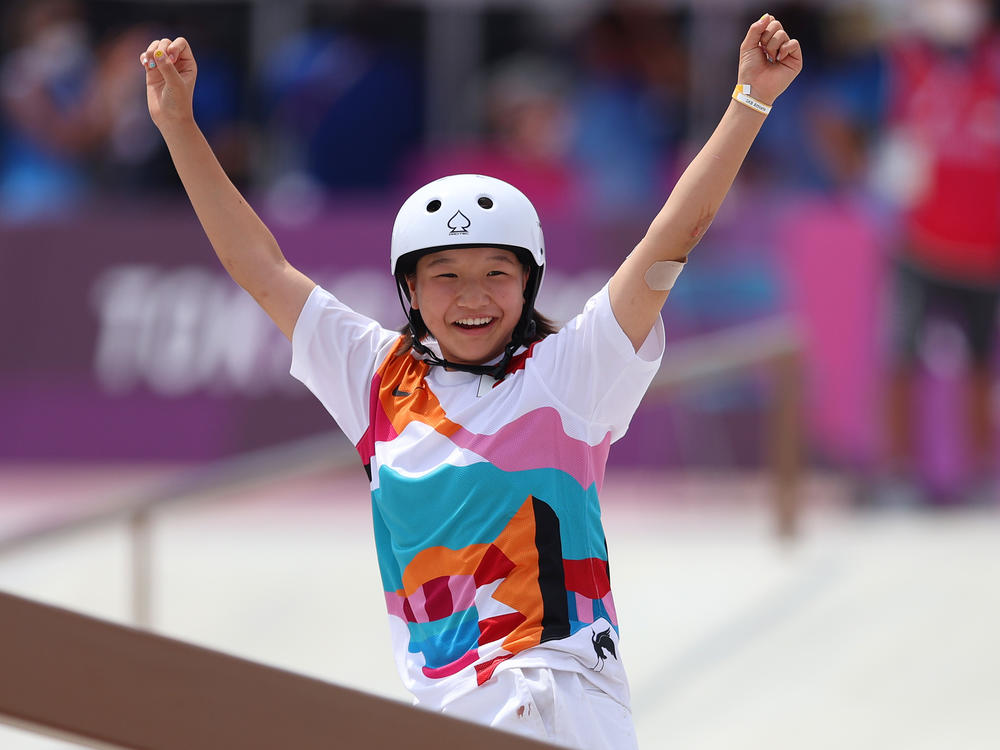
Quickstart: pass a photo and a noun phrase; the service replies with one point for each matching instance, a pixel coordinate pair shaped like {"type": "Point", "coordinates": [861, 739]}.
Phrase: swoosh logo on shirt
{"type": "Point", "coordinates": [397, 392]}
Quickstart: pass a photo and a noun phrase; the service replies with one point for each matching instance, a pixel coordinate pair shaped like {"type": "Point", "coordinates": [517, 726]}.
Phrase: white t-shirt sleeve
{"type": "Point", "coordinates": [335, 352]}
{"type": "Point", "coordinates": [591, 367]}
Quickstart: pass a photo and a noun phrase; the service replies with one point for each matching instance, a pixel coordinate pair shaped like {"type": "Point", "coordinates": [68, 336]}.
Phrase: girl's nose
{"type": "Point", "coordinates": [471, 293]}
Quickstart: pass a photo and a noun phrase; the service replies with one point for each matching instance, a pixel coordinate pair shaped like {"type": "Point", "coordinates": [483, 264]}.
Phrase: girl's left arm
{"type": "Point", "coordinates": [769, 61]}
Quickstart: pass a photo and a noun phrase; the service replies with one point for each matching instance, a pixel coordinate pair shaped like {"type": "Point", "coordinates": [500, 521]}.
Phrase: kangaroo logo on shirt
{"type": "Point", "coordinates": [602, 641]}
{"type": "Point", "coordinates": [459, 223]}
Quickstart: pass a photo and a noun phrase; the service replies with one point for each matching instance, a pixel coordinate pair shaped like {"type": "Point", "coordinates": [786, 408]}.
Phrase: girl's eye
{"type": "Point", "coordinates": [447, 276]}
{"type": "Point", "coordinates": [497, 273]}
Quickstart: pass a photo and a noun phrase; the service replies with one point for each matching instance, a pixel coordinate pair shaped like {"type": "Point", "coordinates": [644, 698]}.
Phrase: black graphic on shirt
{"type": "Point", "coordinates": [602, 642]}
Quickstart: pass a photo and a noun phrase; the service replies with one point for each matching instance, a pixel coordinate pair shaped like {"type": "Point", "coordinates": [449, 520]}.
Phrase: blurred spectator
{"type": "Point", "coordinates": [343, 109]}
{"type": "Point", "coordinates": [73, 110]}
{"type": "Point", "coordinates": [526, 140]}
{"type": "Point", "coordinates": [133, 155]}
{"type": "Point", "coordinates": [944, 166]}
{"type": "Point", "coordinates": [844, 112]}
{"type": "Point", "coordinates": [821, 140]}
{"type": "Point", "coordinates": [54, 122]}
{"type": "Point", "coordinates": [127, 143]}
{"type": "Point", "coordinates": [629, 109]}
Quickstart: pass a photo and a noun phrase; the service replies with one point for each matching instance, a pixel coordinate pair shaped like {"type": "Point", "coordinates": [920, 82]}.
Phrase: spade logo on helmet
{"type": "Point", "coordinates": [459, 223]}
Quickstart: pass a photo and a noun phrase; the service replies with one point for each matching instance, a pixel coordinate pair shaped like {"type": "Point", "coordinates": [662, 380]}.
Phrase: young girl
{"type": "Point", "coordinates": [484, 431]}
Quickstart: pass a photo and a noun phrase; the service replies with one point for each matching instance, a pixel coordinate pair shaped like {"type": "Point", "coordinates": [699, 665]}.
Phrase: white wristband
{"type": "Point", "coordinates": [742, 94]}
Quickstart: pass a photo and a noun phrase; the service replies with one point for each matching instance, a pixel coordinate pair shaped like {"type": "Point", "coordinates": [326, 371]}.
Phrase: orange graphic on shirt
{"type": "Point", "coordinates": [404, 396]}
{"type": "Point", "coordinates": [519, 588]}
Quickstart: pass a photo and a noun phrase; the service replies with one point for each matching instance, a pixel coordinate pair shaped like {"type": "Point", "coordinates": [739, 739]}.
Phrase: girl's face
{"type": "Point", "coordinates": [470, 300]}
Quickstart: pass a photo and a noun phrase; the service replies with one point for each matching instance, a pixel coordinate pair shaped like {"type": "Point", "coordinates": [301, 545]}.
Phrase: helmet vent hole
{"type": "Point", "coordinates": [433, 206]}
{"type": "Point", "coordinates": [485, 202]}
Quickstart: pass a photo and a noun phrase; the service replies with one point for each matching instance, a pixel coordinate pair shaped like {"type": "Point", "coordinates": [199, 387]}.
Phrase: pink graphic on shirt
{"type": "Point", "coordinates": [463, 592]}
{"type": "Point", "coordinates": [609, 605]}
{"type": "Point", "coordinates": [417, 601]}
{"type": "Point", "coordinates": [394, 604]}
{"type": "Point", "coordinates": [515, 447]}
{"type": "Point", "coordinates": [380, 428]}
{"type": "Point", "coordinates": [536, 440]}
{"type": "Point", "coordinates": [454, 668]}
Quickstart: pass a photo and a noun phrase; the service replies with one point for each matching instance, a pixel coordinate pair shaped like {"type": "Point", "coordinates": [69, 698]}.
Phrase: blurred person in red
{"type": "Point", "coordinates": [944, 118]}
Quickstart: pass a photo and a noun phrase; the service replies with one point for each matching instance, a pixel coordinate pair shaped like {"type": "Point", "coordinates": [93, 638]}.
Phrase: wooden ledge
{"type": "Point", "coordinates": [107, 685]}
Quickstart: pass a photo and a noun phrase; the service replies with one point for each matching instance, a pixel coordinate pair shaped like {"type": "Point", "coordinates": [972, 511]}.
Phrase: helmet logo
{"type": "Point", "coordinates": [459, 223]}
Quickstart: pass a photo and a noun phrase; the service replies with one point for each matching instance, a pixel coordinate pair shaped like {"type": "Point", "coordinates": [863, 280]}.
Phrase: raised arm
{"type": "Point", "coordinates": [246, 247]}
{"type": "Point", "coordinates": [769, 60]}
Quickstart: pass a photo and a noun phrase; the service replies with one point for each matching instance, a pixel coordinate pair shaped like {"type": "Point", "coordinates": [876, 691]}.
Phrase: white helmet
{"type": "Point", "coordinates": [469, 210]}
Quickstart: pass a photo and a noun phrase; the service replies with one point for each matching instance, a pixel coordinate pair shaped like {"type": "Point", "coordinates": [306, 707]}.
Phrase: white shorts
{"type": "Point", "coordinates": [551, 705]}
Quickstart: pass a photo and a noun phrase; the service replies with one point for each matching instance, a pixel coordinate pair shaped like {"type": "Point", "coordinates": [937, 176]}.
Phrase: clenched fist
{"type": "Point", "coordinates": [170, 75]}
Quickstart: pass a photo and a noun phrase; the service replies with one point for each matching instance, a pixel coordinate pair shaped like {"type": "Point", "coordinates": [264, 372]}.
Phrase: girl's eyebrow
{"type": "Point", "coordinates": [503, 257]}
{"type": "Point", "coordinates": [445, 260]}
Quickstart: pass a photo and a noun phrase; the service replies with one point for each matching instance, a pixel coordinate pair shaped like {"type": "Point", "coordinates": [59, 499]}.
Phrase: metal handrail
{"type": "Point", "coordinates": [776, 345]}
{"type": "Point", "coordinates": [324, 452]}
{"type": "Point", "coordinates": [707, 357]}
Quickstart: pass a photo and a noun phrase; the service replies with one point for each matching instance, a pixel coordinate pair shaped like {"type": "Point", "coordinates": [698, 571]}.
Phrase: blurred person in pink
{"type": "Point", "coordinates": [944, 118]}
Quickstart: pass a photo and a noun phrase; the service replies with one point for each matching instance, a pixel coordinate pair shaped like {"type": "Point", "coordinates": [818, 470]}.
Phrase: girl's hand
{"type": "Point", "coordinates": [769, 59]}
{"type": "Point", "coordinates": [170, 74]}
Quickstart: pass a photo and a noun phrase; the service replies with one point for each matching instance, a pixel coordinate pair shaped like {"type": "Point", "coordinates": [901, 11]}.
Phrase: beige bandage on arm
{"type": "Point", "coordinates": [661, 275]}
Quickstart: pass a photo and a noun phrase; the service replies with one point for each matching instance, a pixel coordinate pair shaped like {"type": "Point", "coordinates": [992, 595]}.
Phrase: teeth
{"type": "Point", "coordinates": [473, 321]}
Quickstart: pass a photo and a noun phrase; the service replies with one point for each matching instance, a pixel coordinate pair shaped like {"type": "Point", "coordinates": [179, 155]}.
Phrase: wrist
{"type": "Point", "coordinates": [746, 95]}
{"type": "Point", "coordinates": [177, 127]}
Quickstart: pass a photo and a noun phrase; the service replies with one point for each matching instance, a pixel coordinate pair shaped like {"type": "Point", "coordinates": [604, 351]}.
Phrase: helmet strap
{"type": "Point", "coordinates": [495, 371]}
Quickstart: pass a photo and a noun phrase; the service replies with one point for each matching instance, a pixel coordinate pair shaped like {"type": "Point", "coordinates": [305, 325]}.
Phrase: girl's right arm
{"type": "Point", "coordinates": [246, 247]}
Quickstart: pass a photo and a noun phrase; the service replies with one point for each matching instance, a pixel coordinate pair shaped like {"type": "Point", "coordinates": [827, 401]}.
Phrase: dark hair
{"type": "Point", "coordinates": [543, 327]}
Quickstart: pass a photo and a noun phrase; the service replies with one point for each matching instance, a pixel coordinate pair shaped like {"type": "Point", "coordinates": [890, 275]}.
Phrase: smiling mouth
{"type": "Point", "coordinates": [471, 324]}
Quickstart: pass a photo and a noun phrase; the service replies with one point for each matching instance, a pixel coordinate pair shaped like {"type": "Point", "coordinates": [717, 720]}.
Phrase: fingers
{"type": "Point", "coordinates": [178, 48]}
{"type": "Point", "coordinates": [772, 39]}
{"type": "Point", "coordinates": [145, 57]}
{"type": "Point", "coordinates": [767, 34]}
{"type": "Point", "coordinates": [790, 50]}
{"type": "Point", "coordinates": [754, 33]}
{"type": "Point", "coordinates": [154, 53]}
{"type": "Point", "coordinates": [160, 51]}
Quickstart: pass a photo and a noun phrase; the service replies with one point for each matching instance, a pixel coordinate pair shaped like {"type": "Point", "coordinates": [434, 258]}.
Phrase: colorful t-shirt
{"type": "Point", "coordinates": [485, 493]}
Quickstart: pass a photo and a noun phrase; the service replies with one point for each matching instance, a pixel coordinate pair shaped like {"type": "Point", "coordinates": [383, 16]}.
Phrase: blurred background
{"type": "Point", "coordinates": [830, 346]}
